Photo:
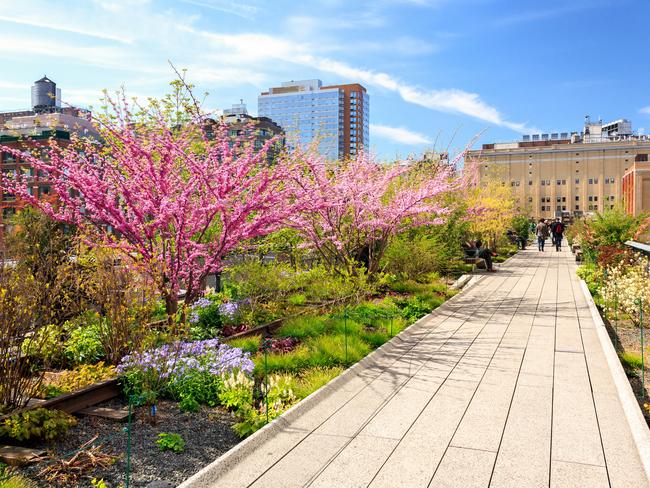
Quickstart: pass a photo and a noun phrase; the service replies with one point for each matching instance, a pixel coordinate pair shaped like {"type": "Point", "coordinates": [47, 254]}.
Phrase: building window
{"type": "Point", "coordinates": [564, 182]}
{"type": "Point", "coordinates": [558, 199]}
{"type": "Point", "coordinates": [563, 207]}
{"type": "Point", "coordinates": [596, 207]}
{"type": "Point", "coordinates": [595, 199]}
{"type": "Point", "coordinates": [543, 199]}
{"type": "Point", "coordinates": [591, 198]}
{"type": "Point", "coordinates": [591, 207]}
{"type": "Point", "coordinates": [611, 207]}
{"type": "Point", "coordinates": [641, 157]}
{"type": "Point", "coordinates": [577, 207]}
{"type": "Point", "coordinates": [558, 208]}
{"type": "Point", "coordinates": [577, 181]}
{"type": "Point", "coordinates": [559, 182]}
{"type": "Point", "coordinates": [530, 182]}
{"type": "Point", "coordinates": [564, 199]}
{"type": "Point", "coordinates": [543, 183]}
{"type": "Point", "coordinates": [530, 199]}
{"type": "Point", "coordinates": [595, 181]}
{"type": "Point", "coordinates": [543, 208]}
{"type": "Point", "coordinates": [577, 198]}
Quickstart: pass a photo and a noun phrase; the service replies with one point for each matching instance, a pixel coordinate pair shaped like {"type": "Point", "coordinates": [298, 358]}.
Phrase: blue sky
{"type": "Point", "coordinates": [438, 71]}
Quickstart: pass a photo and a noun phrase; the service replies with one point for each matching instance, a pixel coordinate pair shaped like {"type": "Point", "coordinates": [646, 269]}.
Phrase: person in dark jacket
{"type": "Point", "coordinates": [557, 229]}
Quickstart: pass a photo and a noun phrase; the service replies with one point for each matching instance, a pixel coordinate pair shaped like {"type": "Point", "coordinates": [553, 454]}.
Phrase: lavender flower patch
{"type": "Point", "coordinates": [156, 370]}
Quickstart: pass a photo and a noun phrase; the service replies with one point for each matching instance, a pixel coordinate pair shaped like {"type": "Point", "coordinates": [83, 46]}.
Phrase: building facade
{"type": "Point", "coordinates": [577, 172]}
{"type": "Point", "coordinates": [636, 188]}
{"type": "Point", "coordinates": [335, 118]}
{"type": "Point", "coordinates": [31, 131]}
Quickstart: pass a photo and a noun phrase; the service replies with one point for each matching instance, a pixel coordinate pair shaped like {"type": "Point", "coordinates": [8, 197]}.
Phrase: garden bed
{"type": "Point", "coordinates": [207, 435]}
{"type": "Point", "coordinates": [627, 341]}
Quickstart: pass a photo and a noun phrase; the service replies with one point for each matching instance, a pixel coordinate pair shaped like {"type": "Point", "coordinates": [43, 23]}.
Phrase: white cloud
{"type": "Point", "coordinates": [51, 24]}
{"type": "Point", "coordinates": [645, 110]}
{"type": "Point", "coordinates": [158, 35]}
{"type": "Point", "coordinates": [400, 135]}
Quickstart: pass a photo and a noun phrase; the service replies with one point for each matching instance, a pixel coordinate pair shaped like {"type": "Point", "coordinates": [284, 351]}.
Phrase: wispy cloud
{"type": "Point", "coordinates": [53, 25]}
{"type": "Point", "coordinates": [246, 11]}
{"type": "Point", "coordinates": [401, 135]}
{"type": "Point", "coordinates": [645, 110]}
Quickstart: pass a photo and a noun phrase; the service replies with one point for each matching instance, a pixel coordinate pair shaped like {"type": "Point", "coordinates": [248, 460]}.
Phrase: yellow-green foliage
{"type": "Point", "coordinates": [17, 482]}
{"type": "Point", "coordinates": [39, 423]}
{"type": "Point", "coordinates": [78, 378]}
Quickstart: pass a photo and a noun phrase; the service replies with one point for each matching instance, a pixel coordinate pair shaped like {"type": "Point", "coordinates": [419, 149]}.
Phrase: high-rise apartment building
{"type": "Point", "coordinates": [576, 172]}
{"type": "Point", "coordinates": [334, 117]}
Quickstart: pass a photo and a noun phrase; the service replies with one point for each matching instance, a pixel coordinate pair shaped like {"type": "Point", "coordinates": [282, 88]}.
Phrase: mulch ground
{"type": "Point", "coordinates": [207, 434]}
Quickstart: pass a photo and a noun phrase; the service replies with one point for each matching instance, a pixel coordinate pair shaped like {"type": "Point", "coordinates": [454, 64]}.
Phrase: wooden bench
{"type": "Point", "coordinates": [477, 263]}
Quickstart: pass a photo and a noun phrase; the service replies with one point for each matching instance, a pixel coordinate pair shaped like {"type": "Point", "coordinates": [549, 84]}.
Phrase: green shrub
{"type": "Point", "coordinates": [247, 344]}
{"type": "Point", "coordinates": [46, 344]}
{"type": "Point", "coordinates": [40, 423]}
{"type": "Point", "coordinates": [84, 345]}
{"type": "Point", "coordinates": [312, 379]}
{"type": "Point", "coordinates": [170, 442]}
{"type": "Point", "coordinates": [630, 360]}
{"type": "Point", "coordinates": [329, 350]}
{"type": "Point", "coordinates": [303, 327]}
{"type": "Point", "coordinates": [413, 308]}
{"type": "Point", "coordinates": [189, 404]}
{"type": "Point", "coordinates": [592, 276]}
{"type": "Point", "coordinates": [206, 322]}
{"type": "Point", "coordinates": [194, 387]}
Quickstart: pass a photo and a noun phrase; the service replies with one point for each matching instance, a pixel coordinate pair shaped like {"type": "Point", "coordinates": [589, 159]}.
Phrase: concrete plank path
{"type": "Point", "coordinates": [507, 385]}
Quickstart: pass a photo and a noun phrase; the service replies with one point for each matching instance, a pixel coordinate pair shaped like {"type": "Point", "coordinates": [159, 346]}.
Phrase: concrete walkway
{"type": "Point", "coordinates": [507, 385]}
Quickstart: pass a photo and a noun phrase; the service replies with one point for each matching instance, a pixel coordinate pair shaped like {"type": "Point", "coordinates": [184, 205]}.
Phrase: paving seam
{"type": "Point", "coordinates": [439, 386]}
{"type": "Point", "coordinates": [550, 450]}
{"type": "Point", "coordinates": [477, 387]}
{"type": "Point", "coordinates": [514, 390]}
{"type": "Point", "coordinates": [380, 407]}
{"type": "Point", "coordinates": [313, 431]}
{"type": "Point", "coordinates": [591, 386]}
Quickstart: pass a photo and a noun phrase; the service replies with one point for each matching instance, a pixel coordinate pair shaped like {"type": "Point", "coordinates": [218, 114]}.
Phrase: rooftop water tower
{"type": "Point", "coordinates": [44, 96]}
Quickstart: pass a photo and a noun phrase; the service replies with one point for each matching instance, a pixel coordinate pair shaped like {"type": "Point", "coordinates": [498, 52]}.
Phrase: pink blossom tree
{"type": "Point", "coordinates": [175, 199]}
{"type": "Point", "coordinates": [352, 209]}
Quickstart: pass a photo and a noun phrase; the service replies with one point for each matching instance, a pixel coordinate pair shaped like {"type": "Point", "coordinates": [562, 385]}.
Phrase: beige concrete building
{"type": "Point", "coordinates": [578, 172]}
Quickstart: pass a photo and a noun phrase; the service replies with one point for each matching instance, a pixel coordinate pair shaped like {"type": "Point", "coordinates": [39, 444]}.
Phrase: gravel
{"type": "Point", "coordinates": [207, 434]}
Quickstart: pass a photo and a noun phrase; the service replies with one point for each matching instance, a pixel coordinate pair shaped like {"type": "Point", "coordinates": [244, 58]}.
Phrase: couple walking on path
{"type": "Point", "coordinates": [556, 229]}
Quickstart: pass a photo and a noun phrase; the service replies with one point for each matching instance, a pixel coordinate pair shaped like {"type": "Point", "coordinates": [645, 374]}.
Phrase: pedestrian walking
{"type": "Point", "coordinates": [557, 229]}
{"type": "Point", "coordinates": [542, 233]}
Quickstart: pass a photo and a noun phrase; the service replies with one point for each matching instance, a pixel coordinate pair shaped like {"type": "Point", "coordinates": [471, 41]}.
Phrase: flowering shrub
{"type": "Point", "coordinates": [182, 370]}
{"type": "Point", "coordinates": [626, 284]}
